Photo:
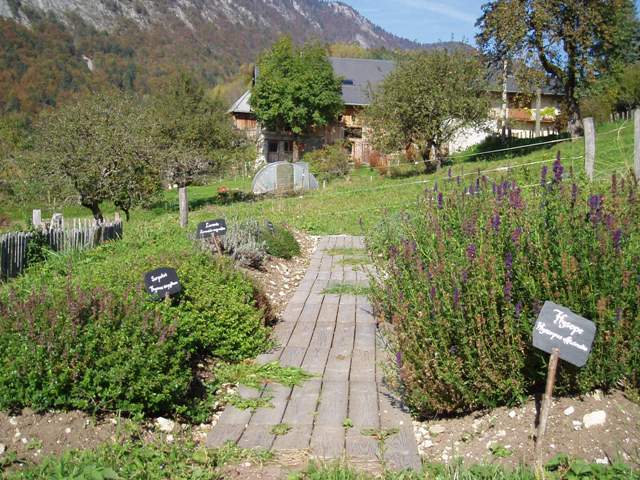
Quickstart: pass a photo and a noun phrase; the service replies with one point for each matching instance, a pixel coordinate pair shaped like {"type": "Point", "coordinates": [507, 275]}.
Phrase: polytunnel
{"type": "Point", "coordinates": [284, 177]}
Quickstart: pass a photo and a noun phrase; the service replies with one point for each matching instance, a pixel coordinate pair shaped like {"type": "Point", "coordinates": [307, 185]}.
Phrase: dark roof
{"type": "Point", "coordinates": [360, 77]}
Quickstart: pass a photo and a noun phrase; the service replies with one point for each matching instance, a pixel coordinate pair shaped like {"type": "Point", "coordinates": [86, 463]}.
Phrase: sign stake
{"type": "Point", "coordinates": [546, 405]}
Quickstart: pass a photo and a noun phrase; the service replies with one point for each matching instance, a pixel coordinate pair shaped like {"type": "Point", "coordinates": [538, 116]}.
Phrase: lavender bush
{"type": "Point", "coordinates": [465, 275]}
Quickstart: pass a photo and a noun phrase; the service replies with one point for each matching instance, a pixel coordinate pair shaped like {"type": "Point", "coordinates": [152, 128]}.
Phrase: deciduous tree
{"type": "Point", "coordinates": [296, 89]}
{"type": "Point", "coordinates": [195, 133]}
{"type": "Point", "coordinates": [100, 145]}
{"type": "Point", "coordinates": [575, 41]}
{"type": "Point", "coordinates": [429, 99]}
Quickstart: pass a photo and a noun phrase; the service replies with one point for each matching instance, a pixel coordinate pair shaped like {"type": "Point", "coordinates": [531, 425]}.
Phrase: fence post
{"type": "Point", "coordinates": [36, 218]}
{"type": "Point", "coordinates": [636, 136]}
{"type": "Point", "coordinates": [589, 147]}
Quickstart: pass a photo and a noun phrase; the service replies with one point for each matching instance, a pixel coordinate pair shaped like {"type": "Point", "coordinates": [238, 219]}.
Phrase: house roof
{"type": "Point", "coordinates": [495, 85]}
{"type": "Point", "coordinates": [241, 105]}
{"type": "Point", "coordinates": [361, 77]}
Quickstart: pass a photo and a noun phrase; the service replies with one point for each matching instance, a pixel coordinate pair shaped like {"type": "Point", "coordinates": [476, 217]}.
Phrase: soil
{"type": "Point", "coordinates": [32, 436]}
{"type": "Point", "coordinates": [279, 278]}
{"type": "Point", "coordinates": [506, 435]}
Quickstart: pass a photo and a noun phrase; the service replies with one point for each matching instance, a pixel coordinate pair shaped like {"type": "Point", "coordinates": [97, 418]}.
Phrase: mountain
{"type": "Point", "coordinates": [53, 48]}
{"type": "Point", "coordinates": [210, 20]}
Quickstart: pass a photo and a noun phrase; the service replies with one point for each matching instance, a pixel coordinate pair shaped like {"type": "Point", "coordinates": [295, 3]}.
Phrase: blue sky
{"type": "Point", "coordinates": [424, 20]}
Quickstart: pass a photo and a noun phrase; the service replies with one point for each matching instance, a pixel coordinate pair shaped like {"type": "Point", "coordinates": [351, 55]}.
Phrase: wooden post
{"type": "Point", "coordinates": [636, 136]}
{"type": "Point", "coordinates": [36, 218]}
{"type": "Point", "coordinates": [546, 405]}
{"type": "Point", "coordinates": [538, 110]}
{"type": "Point", "coordinates": [184, 206]}
{"type": "Point", "coordinates": [589, 147]}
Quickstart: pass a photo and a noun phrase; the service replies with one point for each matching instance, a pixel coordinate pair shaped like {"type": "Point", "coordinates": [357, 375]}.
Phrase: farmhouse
{"type": "Point", "coordinates": [361, 77]}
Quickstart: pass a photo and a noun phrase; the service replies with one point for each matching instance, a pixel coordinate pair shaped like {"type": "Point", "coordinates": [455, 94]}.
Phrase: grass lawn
{"type": "Point", "coordinates": [351, 204]}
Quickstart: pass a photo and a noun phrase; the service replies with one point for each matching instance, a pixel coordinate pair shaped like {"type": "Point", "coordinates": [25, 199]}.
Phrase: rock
{"type": "Point", "coordinates": [169, 438]}
{"type": "Point", "coordinates": [437, 429]}
{"type": "Point", "coordinates": [577, 425]}
{"type": "Point", "coordinates": [165, 425]}
{"type": "Point", "coordinates": [67, 430]}
{"type": "Point", "coordinates": [602, 461]}
{"type": "Point", "coordinates": [512, 414]}
{"type": "Point", "coordinates": [569, 411]}
{"type": "Point", "coordinates": [501, 433]}
{"type": "Point", "coordinates": [594, 419]}
{"type": "Point", "coordinates": [597, 395]}
{"type": "Point", "coordinates": [13, 421]}
{"type": "Point", "coordinates": [3, 448]}
{"type": "Point", "coordinates": [24, 440]}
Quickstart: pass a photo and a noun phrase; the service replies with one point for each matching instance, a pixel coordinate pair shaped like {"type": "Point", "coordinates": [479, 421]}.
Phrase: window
{"type": "Point", "coordinates": [288, 147]}
{"type": "Point", "coordinates": [273, 147]}
{"type": "Point", "coordinates": [347, 82]}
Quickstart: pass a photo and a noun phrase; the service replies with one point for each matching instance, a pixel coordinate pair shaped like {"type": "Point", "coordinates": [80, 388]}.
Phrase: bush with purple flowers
{"type": "Point", "coordinates": [464, 277]}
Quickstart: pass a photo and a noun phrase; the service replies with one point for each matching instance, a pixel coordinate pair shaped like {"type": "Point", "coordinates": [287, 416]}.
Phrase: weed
{"type": "Point", "coordinates": [347, 289]}
{"type": "Point", "coordinates": [247, 403]}
{"type": "Point", "coordinates": [281, 429]}
{"type": "Point", "coordinates": [500, 451]}
{"type": "Point", "coordinates": [254, 375]}
{"type": "Point", "coordinates": [355, 261]}
{"type": "Point", "coordinates": [345, 252]}
{"type": "Point", "coordinates": [347, 423]}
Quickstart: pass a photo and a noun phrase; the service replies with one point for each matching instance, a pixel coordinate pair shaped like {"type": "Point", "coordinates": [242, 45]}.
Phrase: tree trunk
{"type": "Point", "coordinates": [504, 111]}
{"type": "Point", "coordinates": [95, 210]}
{"type": "Point", "coordinates": [296, 152]}
{"type": "Point", "coordinates": [538, 110]}
{"type": "Point", "coordinates": [574, 119]}
{"type": "Point", "coordinates": [184, 205]}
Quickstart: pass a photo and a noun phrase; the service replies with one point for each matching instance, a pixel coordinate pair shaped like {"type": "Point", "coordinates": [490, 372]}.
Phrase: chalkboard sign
{"type": "Point", "coordinates": [212, 228]}
{"type": "Point", "coordinates": [162, 282]}
{"type": "Point", "coordinates": [558, 327]}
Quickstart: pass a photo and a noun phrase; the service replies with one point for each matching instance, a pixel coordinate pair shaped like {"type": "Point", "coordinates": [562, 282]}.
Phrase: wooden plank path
{"type": "Point", "coordinates": [335, 338]}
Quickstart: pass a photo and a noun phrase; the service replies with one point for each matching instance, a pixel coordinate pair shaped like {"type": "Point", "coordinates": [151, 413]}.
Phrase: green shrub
{"type": "Point", "coordinates": [243, 243]}
{"type": "Point", "coordinates": [464, 278]}
{"type": "Point", "coordinates": [329, 162]}
{"type": "Point", "coordinates": [79, 331]}
{"type": "Point", "coordinates": [280, 242]}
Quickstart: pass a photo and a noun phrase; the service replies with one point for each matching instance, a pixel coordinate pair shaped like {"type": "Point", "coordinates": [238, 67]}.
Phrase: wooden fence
{"type": "Point", "coordinates": [83, 235]}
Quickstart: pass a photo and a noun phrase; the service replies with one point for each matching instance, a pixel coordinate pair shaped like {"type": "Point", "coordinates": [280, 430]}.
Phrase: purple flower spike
{"type": "Point", "coordinates": [456, 297]}
{"type": "Point", "coordinates": [458, 179]}
{"type": "Point", "coordinates": [507, 289]}
{"type": "Point", "coordinates": [508, 262]}
{"type": "Point", "coordinates": [449, 173]}
{"type": "Point", "coordinates": [518, 309]}
{"type": "Point", "coordinates": [440, 202]}
{"type": "Point", "coordinates": [432, 292]}
{"type": "Point", "coordinates": [617, 239]}
{"type": "Point", "coordinates": [495, 222]}
{"type": "Point", "coordinates": [574, 193]}
{"type": "Point", "coordinates": [558, 170]}
{"type": "Point", "coordinates": [543, 176]}
{"type": "Point", "coordinates": [471, 251]}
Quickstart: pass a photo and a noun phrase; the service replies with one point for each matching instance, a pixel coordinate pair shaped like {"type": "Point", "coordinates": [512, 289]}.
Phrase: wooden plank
{"type": "Point", "coordinates": [327, 442]}
{"type": "Point", "coordinates": [272, 415]}
{"type": "Point", "coordinates": [360, 447]}
{"type": "Point", "coordinates": [343, 339]}
{"type": "Point", "coordinates": [332, 404]}
{"type": "Point", "coordinates": [315, 360]}
{"type": "Point", "coordinates": [364, 314]}
{"type": "Point", "coordinates": [301, 409]}
{"type": "Point", "coordinates": [338, 366]}
{"type": "Point", "coordinates": [298, 438]}
{"type": "Point", "coordinates": [346, 312]}
{"type": "Point", "coordinates": [294, 309]}
{"type": "Point", "coordinates": [323, 334]}
{"type": "Point", "coordinates": [222, 434]}
{"type": "Point", "coordinates": [302, 333]}
{"type": "Point", "coordinates": [328, 312]}
{"type": "Point", "coordinates": [310, 311]}
{"type": "Point", "coordinates": [365, 337]}
{"type": "Point", "coordinates": [363, 366]}
{"type": "Point", "coordinates": [292, 356]}
{"type": "Point", "coordinates": [234, 416]}
{"type": "Point", "coordinates": [363, 404]}
{"type": "Point", "coordinates": [257, 436]}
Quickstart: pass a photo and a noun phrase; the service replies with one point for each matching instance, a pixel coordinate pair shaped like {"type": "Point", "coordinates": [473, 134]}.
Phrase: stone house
{"type": "Point", "coordinates": [360, 77]}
